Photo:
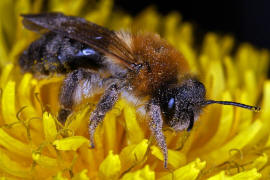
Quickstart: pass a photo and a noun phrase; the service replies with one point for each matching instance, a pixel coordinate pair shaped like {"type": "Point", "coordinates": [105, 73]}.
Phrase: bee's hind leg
{"type": "Point", "coordinates": [71, 89]}
{"type": "Point", "coordinates": [70, 93]}
{"type": "Point", "coordinates": [66, 95]}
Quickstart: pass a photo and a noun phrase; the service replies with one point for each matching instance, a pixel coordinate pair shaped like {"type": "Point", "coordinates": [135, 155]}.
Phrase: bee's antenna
{"type": "Point", "coordinates": [253, 108]}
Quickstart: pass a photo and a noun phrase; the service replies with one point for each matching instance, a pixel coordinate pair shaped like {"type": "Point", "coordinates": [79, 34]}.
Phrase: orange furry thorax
{"type": "Point", "coordinates": [162, 64]}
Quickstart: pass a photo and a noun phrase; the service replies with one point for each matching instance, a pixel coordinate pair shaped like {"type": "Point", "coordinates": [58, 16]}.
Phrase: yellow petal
{"type": "Point", "coordinates": [3, 51]}
{"type": "Point", "coordinates": [263, 63]}
{"type": "Point", "coordinates": [7, 22]}
{"type": "Point", "coordinates": [224, 127]}
{"type": "Point", "coordinates": [25, 93]}
{"type": "Point", "coordinates": [140, 149]}
{"type": "Point", "coordinates": [186, 33]}
{"type": "Point", "coordinates": [59, 177]}
{"type": "Point", "coordinates": [148, 20]}
{"type": "Point", "coordinates": [172, 21]}
{"type": "Point", "coordinates": [81, 175]}
{"type": "Point", "coordinates": [70, 143]}
{"type": "Point", "coordinates": [46, 89]}
{"type": "Point", "coordinates": [187, 172]}
{"type": "Point", "coordinates": [265, 114]}
{"type": "Point", "coordinates": [110, 167]}
{"type": "Point", "coordinates": [49, 127]}
{"type": "Point", "coordinates": [243, 118]}
{"type": "Point", "coordinates": [188, 53]}
{"type": "Point", "coordinates": [211, 47]}
{"type": "Point", "coordinates": [226, 45]}
{"type": "Point", "coordinates": [231, 73]}
{"type": "Point", "coordinates": [246, 51]}
{"type": "Point", "coordinates": [134, 132]}
{"type": "Point", "coordinates": [44, 161]}
{"type": "Point", "coordinates": [133, 154]}
{"type": "Point", "coordinates": [260, 161]}
{"type": "Point", "coordinates": [175, 158]}
{"type": "Point", "coordinates": [110, 130]}
{"type": "Point", "coordinates": [5, 76]}
{"type": "Point", "coordinates": [8, 103]}
{"type": "Point", "coordinates": [142, 174]}
{"type": "Point", "coordinates": [245, 175]}
{"type": "Point", "coordinates": [100, 14]}
{"type": "Point", "coordinates": [9, 110]}
{"type": "Point", "coordinates": [215, 79]}
{"type": "Point", "coordinates": [70, 7]}
{"type": "Point", "coordinates": [78, 120]}
{"type": "Point", "coordinates": [248, 175]}
{"type": "Point", "coordinates": [13, 145]}
{"type": "Point", "coordinates": [119, 22]}
{"type": "Point", "coordinates": [251, 85]}
{"type": "Point", "coordinates": [238, 142]}
{"type": "Point", "coordinates": [12, 167]}
{"type": "Point", "coordinates": [5, 178]}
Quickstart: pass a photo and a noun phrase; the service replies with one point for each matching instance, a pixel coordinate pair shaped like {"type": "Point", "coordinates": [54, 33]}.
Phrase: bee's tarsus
{"type": "Point", "coordinates": [63, 114]}
{"type": "Point", "coordinates": [191, 121]}
{"type": "Point", "coordinates": [165, 163]}
{"type": "Point", "coordinates": [92, 145]}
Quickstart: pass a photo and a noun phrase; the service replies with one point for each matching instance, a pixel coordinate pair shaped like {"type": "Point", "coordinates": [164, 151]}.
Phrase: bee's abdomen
{"type": "Point", "coordinates": [54, 53]}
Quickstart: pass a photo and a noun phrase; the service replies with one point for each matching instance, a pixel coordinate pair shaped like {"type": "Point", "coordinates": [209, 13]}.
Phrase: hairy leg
{"type": "Point", "coordinates": [105, 104]}
{"type": "Point", "coordinates": [156, 123]}
{"type": "Point", "coordinates": [71, 86]}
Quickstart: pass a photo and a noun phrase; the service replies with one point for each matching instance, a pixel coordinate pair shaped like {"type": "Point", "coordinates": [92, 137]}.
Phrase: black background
{"type": "Point", "coordinates": [246, 20]}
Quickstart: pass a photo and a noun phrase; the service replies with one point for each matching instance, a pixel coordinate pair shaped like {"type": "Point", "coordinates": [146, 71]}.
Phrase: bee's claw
{"type": "Point", "coordinates": [92, 146]}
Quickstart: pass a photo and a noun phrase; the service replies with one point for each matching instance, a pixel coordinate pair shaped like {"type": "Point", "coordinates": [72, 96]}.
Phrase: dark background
{"type": "Point", "coordinates": [246, 20]}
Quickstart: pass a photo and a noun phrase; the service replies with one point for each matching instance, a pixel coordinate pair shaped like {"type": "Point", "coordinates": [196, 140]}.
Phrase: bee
{"type": "Point", "coordinates": [140, 67]}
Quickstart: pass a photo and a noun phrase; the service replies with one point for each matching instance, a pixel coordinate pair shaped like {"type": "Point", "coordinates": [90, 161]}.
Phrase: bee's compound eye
{"type": "Point", "coordinates": [171, 103]}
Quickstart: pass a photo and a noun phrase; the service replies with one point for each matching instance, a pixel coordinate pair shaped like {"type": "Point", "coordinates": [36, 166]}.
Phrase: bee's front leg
{"type": "Point", "coordinates": [156, 123]}
{"type": "Point", "coordinates": [105, 104]}
{"type": "Point", "coordinates": [66, 95]}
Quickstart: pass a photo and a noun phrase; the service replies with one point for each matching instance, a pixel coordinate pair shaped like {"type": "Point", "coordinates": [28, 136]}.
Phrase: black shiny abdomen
{"type": "Point", "coordinates": [54, 53]}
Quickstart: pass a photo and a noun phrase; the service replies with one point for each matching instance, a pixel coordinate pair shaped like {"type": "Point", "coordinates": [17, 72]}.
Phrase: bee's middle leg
{"type": "Point", "coordinates": [105, 104]}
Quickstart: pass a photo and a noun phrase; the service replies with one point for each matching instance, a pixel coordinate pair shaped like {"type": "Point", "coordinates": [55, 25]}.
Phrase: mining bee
{"type": "Point", "coordinates": [140, 67]}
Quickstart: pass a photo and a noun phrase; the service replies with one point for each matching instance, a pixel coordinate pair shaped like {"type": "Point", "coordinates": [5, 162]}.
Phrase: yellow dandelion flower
{"type": "Point", "coordinates": [226, 142]}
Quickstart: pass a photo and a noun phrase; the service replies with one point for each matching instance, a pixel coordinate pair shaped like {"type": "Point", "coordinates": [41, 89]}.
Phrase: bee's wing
{"type": "Point", "coordinates": [97, 37]}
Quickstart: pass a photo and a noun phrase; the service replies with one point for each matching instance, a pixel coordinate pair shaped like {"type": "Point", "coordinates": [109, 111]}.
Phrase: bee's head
{"type": "Point", "coordinates": [182, 105]}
